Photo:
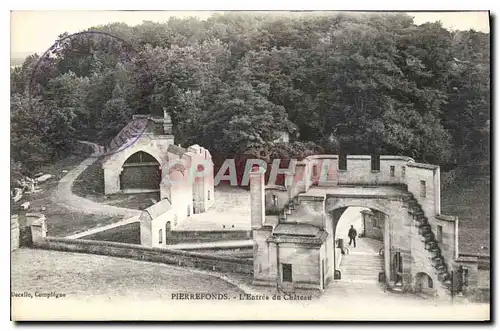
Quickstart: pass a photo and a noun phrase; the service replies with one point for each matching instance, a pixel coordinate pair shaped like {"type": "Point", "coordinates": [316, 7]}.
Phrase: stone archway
{"type": "Point", "coordinates": [141, 173]}
{"type": "Point", "coordinates": [424, 284]}
{"type": "Point", "coordinates": [372, 221]}
{"type": "Point", "coordinates": [365, 262]}
{"type": "Point", "coordinates": [396, 230]}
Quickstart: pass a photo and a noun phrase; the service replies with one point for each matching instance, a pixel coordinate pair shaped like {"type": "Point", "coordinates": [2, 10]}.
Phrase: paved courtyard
{"type": "Point", "coordinates": [231, 211]}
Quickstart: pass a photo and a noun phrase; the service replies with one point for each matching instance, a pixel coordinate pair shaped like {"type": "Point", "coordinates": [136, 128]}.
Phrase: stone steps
{"type": "Point", "coordinates": [350, 260]}
{"type": "Point", "coordinates": [363, 270]}
{"type": "Point", "coordinates": [354, 271]}
{"type": "Point", "coordinates": [345, 287]}
{"type": "Point", "coordinates": [360, 272]}
{"type": "Point", "coordinates": [360, 267]}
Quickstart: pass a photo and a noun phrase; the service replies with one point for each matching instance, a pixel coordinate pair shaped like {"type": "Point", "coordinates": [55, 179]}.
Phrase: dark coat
{"type": "Point", "coordinates": [352, 233]}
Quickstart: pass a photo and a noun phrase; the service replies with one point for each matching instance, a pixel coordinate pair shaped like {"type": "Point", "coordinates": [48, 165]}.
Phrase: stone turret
{"type": "Point", "coordinates": [257, 198]}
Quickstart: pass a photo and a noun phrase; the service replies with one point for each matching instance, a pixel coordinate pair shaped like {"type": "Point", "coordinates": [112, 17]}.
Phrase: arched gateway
{"type": "Point", "coordinates": [294, 228]}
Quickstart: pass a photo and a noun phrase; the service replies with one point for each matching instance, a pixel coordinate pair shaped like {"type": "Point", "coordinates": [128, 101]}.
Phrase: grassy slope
{"type": "Point", "coordinates": [129, 234]}
{"type": "Point", "coordinates": [61, 221]}
{"type": "Point", "coordinates": [468, 197]}
{"type": "Point", "coordinates": [86, 276]}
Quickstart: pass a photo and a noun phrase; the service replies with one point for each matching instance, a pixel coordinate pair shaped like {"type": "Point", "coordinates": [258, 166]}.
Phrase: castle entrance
{"type": "Point", "coordinates": [141, 173]}
{"type": "Point", "coordinates": [358, 259]}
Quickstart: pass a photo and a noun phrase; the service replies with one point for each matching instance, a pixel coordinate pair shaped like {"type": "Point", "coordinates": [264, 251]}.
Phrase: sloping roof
{"type": "Point", "coordinates": [158, 208]}
{"type": "Point", "coordinates": [174, 149]}
{"type": "Point", "coordinates": [296, 230]}
{"type": "Point", "coordinates": [130, 135]}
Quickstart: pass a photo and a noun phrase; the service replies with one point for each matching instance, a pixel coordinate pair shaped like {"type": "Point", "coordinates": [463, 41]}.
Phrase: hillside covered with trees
{"type": "Point", "coordinates": [355, 83]}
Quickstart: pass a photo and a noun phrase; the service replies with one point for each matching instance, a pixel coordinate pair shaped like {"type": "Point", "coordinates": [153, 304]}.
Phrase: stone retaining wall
{"type": "Point", "coordinates": [14, 232]}
{"type": "Point", "coordinates": [161, 255]}
{"type": "Point", "coordinates": [181, 237]}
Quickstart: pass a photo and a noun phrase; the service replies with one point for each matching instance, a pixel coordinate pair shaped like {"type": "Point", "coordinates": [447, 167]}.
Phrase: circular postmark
{"type": "Point", "coordinates": [72, 48]}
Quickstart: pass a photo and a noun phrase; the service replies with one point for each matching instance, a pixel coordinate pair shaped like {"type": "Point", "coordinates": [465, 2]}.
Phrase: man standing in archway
{"type": "Point", "coordinates": [352, 235]}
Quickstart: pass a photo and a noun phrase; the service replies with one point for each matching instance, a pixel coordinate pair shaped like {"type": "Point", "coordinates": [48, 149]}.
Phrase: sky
{"type": "Point", "coordinates": [36, 31]}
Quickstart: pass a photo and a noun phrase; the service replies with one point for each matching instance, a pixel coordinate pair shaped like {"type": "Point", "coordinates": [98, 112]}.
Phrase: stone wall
{"type": "Point", "coordinates": [311, 210]}
{"type": "Point", "coordinates": [202, 177]}
{"type": "Point", "coordinates": [483, 278]}
{"type": "Point", "coordinates": [448, 225]}
{"type": "Point", "coordinates": [282, 198]}
{"type": "Point", "coordinates": [322, 170]}
{"type": "Point", "coordinates": [179, 237]}
{"type": "Point", "coordinates": [14, 232]}
{"type": "Point", "coordinates": [305, 266]}
{"type": "Point", "coordinates": [396, 226]}
{"type": "Point", "coordinates": [177, 181]}
{"type": "Point", "coordinates": [257, 199]}
{"type": "Point", "coordinates": [138, 252]}
{"type": "Point", "coordinates": [146, 230]}
{"type": "Point", "coordinates": [299, 178]}
{"type": "Point", "coordinates": [112, 165]}
{"type": "Point", "coordinates": [359, 170]}
{"type": "Point", "coordinates": [331, 255]}
{"type": "Point", "coordinates": [423, 181]}
{"type": "Point", "coordinates": [374, 225]}
{"type": "Point", "coordinates": [338, 258]}
{"type": "Point", "coordinates": [264, 270]}
{"type": "Point", "coordinates": [420, 264]}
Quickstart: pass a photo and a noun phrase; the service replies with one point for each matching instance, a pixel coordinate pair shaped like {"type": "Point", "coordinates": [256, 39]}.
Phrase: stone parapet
{"type": "Point", "coordinates": [14, 232]}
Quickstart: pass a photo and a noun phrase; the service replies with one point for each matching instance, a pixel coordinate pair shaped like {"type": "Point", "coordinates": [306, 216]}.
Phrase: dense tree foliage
{"type": "Point", "coordinates": [360, 83]}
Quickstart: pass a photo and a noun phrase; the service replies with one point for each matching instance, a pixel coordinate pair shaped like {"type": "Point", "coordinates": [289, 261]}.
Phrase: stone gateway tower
{"type": "Point", "coordinates": [294, 226]}
{"type": "Point", "coordinates": [137, 155]}
{"type": "Point", "coordinates": [147, 160]}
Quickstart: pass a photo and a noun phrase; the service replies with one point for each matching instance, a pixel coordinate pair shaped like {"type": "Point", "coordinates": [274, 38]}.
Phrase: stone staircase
{"type": "Point", "coordinates": [359, 275]}
{"type": "Point", "coordinates": [288, 209]}
{"type": "Point", "coordinates": [430, 244]}
{"type": "Point", "coordinates": [361, 267]}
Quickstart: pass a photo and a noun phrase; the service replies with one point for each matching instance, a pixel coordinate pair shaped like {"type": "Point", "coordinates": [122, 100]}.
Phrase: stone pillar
{"type": "Point", "coordinates": [263, 260]}
{"type": "Point", "coordinates": [407, 277]}
{"type": "Point", "coordinates": [257, 198]}
{"type": "Point", "coordinates": [299, 179]}
{"type": "Point", "coordinates": [199, 195]}
{"type": "Point", "coordinates": [437, 191]}
{"type": "Point", "coordinates": [307, 176]}
{"type": "Point", "coordinates": [14, 232]}
{"type": "Point", "coordinates": [387, 248]}
{"type": "Point", "coordinates": [366, 223]}
{"type": "Point", "coordinates": [274, 266]}
{"type": "Point", "coordinates": [112, 180]}
{"type": "Point", "coordinates": [146, 230]}
{"type": "Point", "coordinates": [165, 190]}
{"type": "Point", "coordinates": [39, 229]}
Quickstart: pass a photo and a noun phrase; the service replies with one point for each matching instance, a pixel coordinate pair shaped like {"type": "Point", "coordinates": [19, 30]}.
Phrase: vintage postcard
{"type": "Point", "coordinates": [250, 165]}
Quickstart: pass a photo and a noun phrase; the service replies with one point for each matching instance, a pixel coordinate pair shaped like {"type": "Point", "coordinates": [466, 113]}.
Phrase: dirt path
{"type": "Point", "coordinates": [65, 197]}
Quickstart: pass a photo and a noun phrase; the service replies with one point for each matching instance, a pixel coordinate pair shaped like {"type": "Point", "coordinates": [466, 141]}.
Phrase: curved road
{"type": "Point", "coordinates": [65, 197]}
